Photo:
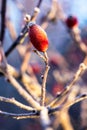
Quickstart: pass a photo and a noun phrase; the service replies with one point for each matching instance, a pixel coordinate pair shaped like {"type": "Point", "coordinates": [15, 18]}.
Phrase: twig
{"type": "Point", "coordinates": [30, 84]}
{"type": "Point", "coordinates": [43, 115]}
{"type": "Point", "coordinates": [43, 89]}
{"type": "Point", "coordinates": [3, 10]}
{"type": "Point", "coordinates": [24, 32]}
{"type": "Point", "coordinates": [35, 14]}
{"type": "Point", "coordinates": [13, 81]}
{"type": "Point", "coordinates": [3, 61]}
{"type": "Point", "coordinates": [20, 39]}
{"type": "Point", "coordinates": [79, 72]}
{"type": "Point", "coordinates": [64, 112]}
{"type": "Point", "coordinates": [76, 100]}
{"type": "Point", "coordinates": [75, 33]}
{"type": "Point", "coordinates": [15, 102]}
{"type": "Point", "coordinates": [20, 116]}
{"type": "Point", "coordinates": [22, 92]}
{"type": "Point", "coordinates": [44, 57]}
{"type": "Point", "coordinates": [13, 71]}
{"type": "Point", "coordinates": [39, 3]}
{"type": "Point", "coordinates": [40, 55]}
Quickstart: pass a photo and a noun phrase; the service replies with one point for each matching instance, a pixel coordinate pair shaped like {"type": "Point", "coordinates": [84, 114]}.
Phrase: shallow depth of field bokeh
{"type": "Point", "coordinates": [64, 59]}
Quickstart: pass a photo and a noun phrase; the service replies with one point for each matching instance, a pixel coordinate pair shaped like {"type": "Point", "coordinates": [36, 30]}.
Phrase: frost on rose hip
{"type": "Point", "coordinates": [71, 21]}
{"type": "Point", "coordinates": [38, 37]}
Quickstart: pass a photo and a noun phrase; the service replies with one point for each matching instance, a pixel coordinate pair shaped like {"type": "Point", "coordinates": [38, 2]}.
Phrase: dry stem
{"type": "Point", "coordinates": [32, 114]}
{"type": "Point", "coordinates": [44, 78]}
{"type": "Point", "coordinates": [3, 11]}
{"type": "Point", "coordinates": [15, 102]}
{"type": "Point", "coordinates": [45, 121]}
{"type": "Point", "coordinates": [22, 92]}
{"type": "Point", "coordinates": [43, 93]}
{"type": "Point", "coordinates": [79, 72]}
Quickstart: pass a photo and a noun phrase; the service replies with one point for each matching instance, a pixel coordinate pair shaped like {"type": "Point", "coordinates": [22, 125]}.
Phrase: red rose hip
{"type": "Point", "coordinates": [71, 22]}
{"type": "Point", "coordinates": [38, 37]}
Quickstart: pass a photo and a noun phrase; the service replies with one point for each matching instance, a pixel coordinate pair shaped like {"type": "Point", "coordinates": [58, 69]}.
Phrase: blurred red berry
{"type": "Point", "coordinates": [71, 21]}
{"type": "Point", "coordinates": [57, 89]}
{"type": "Point", "coordinates": [36, 68]}
{"type": "Point", "coordinates": [38, 37]}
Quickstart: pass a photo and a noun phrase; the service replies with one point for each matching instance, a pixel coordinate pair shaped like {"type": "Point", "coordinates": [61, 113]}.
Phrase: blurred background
{"type": "Point", "coordinates": [64, 56]}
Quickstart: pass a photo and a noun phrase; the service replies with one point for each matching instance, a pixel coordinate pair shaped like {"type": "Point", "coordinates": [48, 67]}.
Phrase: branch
{"type": "Point", "coordinates": [45, 121]}
{"type": "Point", "coordinates": [20, 116]}
{"type": "Point", "coordinates": [43, 91]}
{"type": "Point", "coordinates": [24, 31]}
{"type": "Point", "coordinates": [40, 55]}
{"type": "Point", "coordinates": [18, 104]}
{"type": "Point", "coordinates": [19, 40]}
{"type": "Point", "coordinates": [3, 10]}
{"type": "Point", "coordinates": [22, 92]}
{"type": "Point", "coordinates": [75, 34]}
{"type": "Point", "coordinates": [12, 80]}
{"type": "Point", "coordinates": [76, 100]}
{"type": "Point", "coordinates": [44, 57]}
{"type": "Point", "coordinates": [80, 71]}
{"type": "Point", "coordinates": [39, 3]}
{"type": "Point", "coordinates": [30, 84]}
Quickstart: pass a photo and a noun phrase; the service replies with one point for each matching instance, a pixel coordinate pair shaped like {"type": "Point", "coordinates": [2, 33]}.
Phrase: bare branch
{"type": "Point", "coordinates": [32, 114]}
{"type": "Point", "coordinates": [80, 71]}
{"type": "Point", "coordinates": [3, 10]}
{"type": "Point", "coordinates": [20, 39]}
{"type": "Point", "coordinates": [15, 102]}
{"type": "Point", "coordinates": [75, 34]}
{"type": "Point", "coordinates": [44, 79]}
{"type": "Point", "coordinates": [24, 31]}
{"type": "Point", "coordinates": [35, 14]}
{"type": "Point", "coordinates": [76, 100]}
{"type": "Point", "coordinates": [39, 3]}
{"type": "Point", "coordinates": [45, 121]}
{"type": "Point", "coordinates": [22, 92]}
{"type": "Point", "coordinates": [40, 55]}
